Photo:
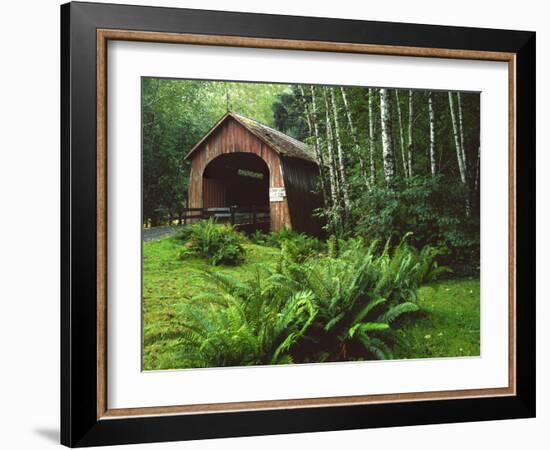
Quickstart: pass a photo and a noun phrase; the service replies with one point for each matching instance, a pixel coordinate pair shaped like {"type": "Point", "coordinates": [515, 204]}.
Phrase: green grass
{"type": "Point", "coordinates": [446, 325]}
{"type": "Point", "coordinates": [169, 282]}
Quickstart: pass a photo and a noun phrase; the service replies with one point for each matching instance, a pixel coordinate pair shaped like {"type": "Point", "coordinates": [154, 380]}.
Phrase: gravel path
{"type": "Point", "coordinates": [151, 234]}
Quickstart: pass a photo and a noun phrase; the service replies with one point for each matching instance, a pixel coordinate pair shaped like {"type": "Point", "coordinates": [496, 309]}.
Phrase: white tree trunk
{"type": "Point", "coordinates": [431, 116]}
{"type": "Point", "coordinates": [478, 167]}
{"type": "Point", "coordinates": [456, 133]}
{"type": "Point", "coordinates": [459, 153]}
{"type": "Point", "coordinates": [341, 159]}
{"type": "Point", "coordinates": [387, 147]}
{"type": "Point", "coordinates": [354, 137]}
{"type": "Point", "coordinates": [334, 191]}
{"type": "Point", "coordinates": [371, 138]}
{"type": "Point", "coordinates": [461, 128]}
{"type": "Point", "coordinates": [402, 140]}
{"type": "Point", "coordinates": [306, 110]}
{"type": "Point", "coordinates": [410, 148]}
{"type": "Point", "coordinates": [318, 151]}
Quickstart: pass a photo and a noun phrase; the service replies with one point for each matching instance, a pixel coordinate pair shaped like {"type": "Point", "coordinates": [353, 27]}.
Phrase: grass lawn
{"type": "Point", "coordinates": [446, 325]}
{"type": "Point", "coordinates": [169, 282]}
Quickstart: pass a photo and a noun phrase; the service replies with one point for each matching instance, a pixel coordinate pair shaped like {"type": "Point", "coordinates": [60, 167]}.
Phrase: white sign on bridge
{"type": "Point", "coordinates": [277, 194]}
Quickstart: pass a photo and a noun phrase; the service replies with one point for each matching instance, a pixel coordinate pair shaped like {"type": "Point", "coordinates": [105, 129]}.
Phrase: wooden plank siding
{"type": "Point", "coordinates": [301, 179]}
{"type": "Point", "coordinates": [232, 137]}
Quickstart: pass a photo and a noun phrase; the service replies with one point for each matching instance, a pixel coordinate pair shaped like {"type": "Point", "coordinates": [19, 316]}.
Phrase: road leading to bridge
{"type": "Point", "coordinates": [152, 234]}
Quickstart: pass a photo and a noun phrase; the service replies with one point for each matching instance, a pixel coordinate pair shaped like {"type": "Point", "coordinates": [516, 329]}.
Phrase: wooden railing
{"type": "Point", "coordinates": [234, 215]}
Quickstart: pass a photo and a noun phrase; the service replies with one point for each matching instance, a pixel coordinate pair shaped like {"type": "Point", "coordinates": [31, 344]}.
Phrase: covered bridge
{"type": "Point", "coordinates": [243, 163]}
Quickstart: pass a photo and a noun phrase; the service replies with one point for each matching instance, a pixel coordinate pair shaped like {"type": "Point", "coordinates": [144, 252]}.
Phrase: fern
{"type": "Point", "coordinates": [251, 323]}
{"type": "Point", "coordinates": [312, 309]}
{"type": "Point", "coordinates": [218, 244]}
{"type": "Point", "coordinates": [395, 311]}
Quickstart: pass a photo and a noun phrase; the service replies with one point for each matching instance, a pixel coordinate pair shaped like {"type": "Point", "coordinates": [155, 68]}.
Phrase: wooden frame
{"type": "Point", "coordinates": [86, 418]}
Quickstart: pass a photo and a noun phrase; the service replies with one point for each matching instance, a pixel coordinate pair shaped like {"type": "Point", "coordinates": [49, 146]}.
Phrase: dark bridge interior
{"type": "Point", "coordinates": [236, 179]}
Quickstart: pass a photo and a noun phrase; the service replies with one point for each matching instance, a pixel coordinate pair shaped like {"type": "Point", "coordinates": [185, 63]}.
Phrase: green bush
{"type": "Point", "coordinates": [184, 233]}
{"type": "Point", "coordinates": [434, 209]}
{"type": "Point", "coordinates": [234, 323]}
{"type": "Point", "coordinates": [272, 239]}
{"type": "Point", "coordinates": [217, 243]}
{"type": "Point", "coordinates": [320, 309]}
{"type": "Point", "coordinates": [298, 246]}
{"type": "Point", "coordinates": [359, 294]}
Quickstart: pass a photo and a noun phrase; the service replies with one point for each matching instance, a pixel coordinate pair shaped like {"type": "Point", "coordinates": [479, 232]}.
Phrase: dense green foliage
{"type": "Point", "coordinates": [433, 210]}
{"type": "Point", "coordinates": [196, 315]}
{"type": "Point", "coordinates": [438, 206]}
{"type": "Point", "coordinates": [358, 293]}
{"type": "Point", "coordinates": [217, 243]}
{"type": "Point", "coordinates": [234, 323]}
{"type": "Point", "coordinates": [298, 246]}
{"type": "Point", "coordinates": [305, 310]}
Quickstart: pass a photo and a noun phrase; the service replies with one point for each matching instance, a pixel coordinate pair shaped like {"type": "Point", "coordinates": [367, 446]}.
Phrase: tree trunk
{"type": "Point", "coordinates": [459, 153]}
{"type": "Point", "coordinates": [402, 141]}
{"type": "Point", "coordinates": [227, 98]}
{"type": "Point", "coordinates": [356, 146]}
{"type": "Point", "coordinates": [341, 159]}
{"type": "Point", "coordinates": [458, 147]}
{"type": "Point", "coordinates": [318, 152]}
{"type": "Point", "coordinates": [334, 188]}
{"type": "Point", "coordinates": [478, 167]}
{"type": "Point", "coordinates": [410, 148]}
{"type": "Point", "coordinates": [461, 128]}
{"type": "Point", "coordinates": [387, 148]}
{"type": "Point", "coordinates": [307, 112]}
{"type": "Point", "coordinates": [431, 116]}
{"type": "Point", "coordinates": [371, 138]}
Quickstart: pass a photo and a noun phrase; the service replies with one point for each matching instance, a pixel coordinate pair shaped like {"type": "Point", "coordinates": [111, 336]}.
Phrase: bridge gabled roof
{"type": "Point", "coordinates": [281, 143]}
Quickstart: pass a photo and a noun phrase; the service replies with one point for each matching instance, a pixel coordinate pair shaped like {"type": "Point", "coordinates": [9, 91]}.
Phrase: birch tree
{"type": "Point", "coordinates": [431, 117]}
{"type": "Point", "coordinates": [307, 112]}
{"type": "Point", "coordinates": [401, 139]}
{"type": "Point", "coordinates": [460, 155]}
{"type": "Point", "coordinates": [341, 159]}
{"type": "Point", "coordinates": [356, 146]}
{"type": "Point", "coordinates": [387, 147]}
{"type": "Point", "coordinates": [371, 137]}
{"type": "Point", "coordinates": [478, 167]}
{"type": "Point", "coordinates": [311, 117]}
{"type": "Point", "coordinates": [334, 191]}
{"type": "Point", "coordinates": [318, 150]}
{"type": "Point", "coordinates": [410, 134]}
{"type": "Point", "coordinates": [456, 135]}
{"type": "Point", "coordinates": [461, 130]}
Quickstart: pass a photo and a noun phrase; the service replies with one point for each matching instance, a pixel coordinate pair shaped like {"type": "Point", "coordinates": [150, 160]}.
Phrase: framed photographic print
{"type": "Point", "coordinates": [276, 224]}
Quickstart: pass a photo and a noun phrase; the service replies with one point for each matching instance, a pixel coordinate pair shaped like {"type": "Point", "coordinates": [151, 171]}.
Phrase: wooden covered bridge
{"type": "Point", "coordinates": [244, 164]}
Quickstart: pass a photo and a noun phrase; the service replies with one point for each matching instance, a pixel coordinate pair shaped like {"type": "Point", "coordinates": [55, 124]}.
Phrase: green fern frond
{"type": "Point", "coordinates": [394, 312]}
{"type": "Point", "coordinates": [364, 328]}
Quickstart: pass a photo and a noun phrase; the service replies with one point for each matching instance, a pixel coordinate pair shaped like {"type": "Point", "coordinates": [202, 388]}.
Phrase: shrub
{"type": "Point", "coordinates": [273, 239]}
{"type": "Point", "coordinates": [184, 233]}
{"type": "Point", "coordinates": [298, 246]}
{"type": "Point", "coordinates": [217, 243]}
{"type": "Point", "coordinates": [234, 323]}
{"type": "Point", "coordinates": [321, 309]}
{"type": "Point", "coordinates": [431, 206]}
{"type": "Point", "coordinates": [359, 294]}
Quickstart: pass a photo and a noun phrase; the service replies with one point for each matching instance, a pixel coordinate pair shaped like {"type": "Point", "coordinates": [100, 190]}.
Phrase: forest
{"type": "Point", "coordinates": [396, 273]}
